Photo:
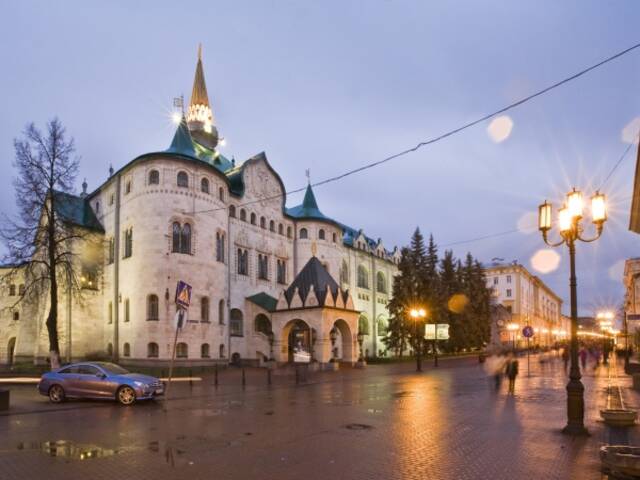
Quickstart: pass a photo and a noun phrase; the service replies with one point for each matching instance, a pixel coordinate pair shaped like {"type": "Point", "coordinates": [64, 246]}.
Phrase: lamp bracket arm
{"type": "Point", "coordinates": [550, 243]}
{"type": "Point", "coordinates": [593, 239]}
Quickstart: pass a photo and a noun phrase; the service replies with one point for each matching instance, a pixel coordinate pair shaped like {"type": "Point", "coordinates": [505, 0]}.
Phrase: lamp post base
{"type": "Point", "coordinates": [576, 430]}
{"type": "Point", "coordinates": [575, 408]}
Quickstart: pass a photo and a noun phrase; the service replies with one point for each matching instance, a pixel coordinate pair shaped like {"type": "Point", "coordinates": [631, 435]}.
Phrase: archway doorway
{"type": "Point", "coordinates": [11, 350]}
{"type": "Point", "coordinates": [342, 347]}
{"type": "Point", "coordinates": [298, 340]}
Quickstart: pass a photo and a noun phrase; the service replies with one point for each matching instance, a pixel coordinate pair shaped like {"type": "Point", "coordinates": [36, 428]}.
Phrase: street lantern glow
{"type": "Point", "coordinates": [512, 326]}
{"type": "Point", "coordinates": [574, 203]}
{"type": "Point", "coordinates": [418, 313]}
{"type": "Point", "coordinates": [564, 219]}
{"type": "Point", "coordinates": [598, 208]}
{"type": "Point", "coordinates": [544, 217]}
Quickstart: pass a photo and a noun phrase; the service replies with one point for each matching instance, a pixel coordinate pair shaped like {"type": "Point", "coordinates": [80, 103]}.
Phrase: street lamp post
{"type": "Point", "coordinates": [417, 314]}
{"type": "Point", "coordinates": [569, 217]}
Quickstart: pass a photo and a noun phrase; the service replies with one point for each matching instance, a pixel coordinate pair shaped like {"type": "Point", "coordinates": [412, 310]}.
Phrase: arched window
{"type": "Point", "coordinates": [128, 242]}
{"type": "Point", "coordinates": [262, 324]}
{"type": "Point", "coordinates": [185, 239]}
{"type": "Point", "coordinates": [281, 271]}
{"type": "Point", "coordinates": [221, 194]}
{"type": "Point", "coordinates": [363, 325]}
{"type": "Point", "coordinates": [154, 177]}
{"type": "Point", "coordinates": [221, 350]}
{"type": "Point", "coordinates": [344, 272]}
{"type": "Point", "coordinates": [280, 229]}
{"type": "Point", "coordinates": [204, 309]}
{"type": "Point", "coordinates": [21, 289]}
{"type": "Point", "coordinates": [182, 350]}
{"type": "Point", "coordinates": [321, 234]}
{"type": "Point", "coordinates": [183, 179]}
{"type": "Point", "coordinates": [263, 267]}
{"type": "Point", "coordinates": [152, 350]}
{"type": "Point", "coordinates": [253, 218]}
{"type": "Point", "coordinates": [16, 316]}
{"type": "Point", "coordinates": [110, 349]}
{"type": "Point", "coordinates": [126, 350]}
{"type": "Point", "coordinates": [97, 207]}
{"type": "Point", "coordinates": [204, 350]}
{"type": "Point", "coordinates": [381, 283]}
{"type": "Point", "coordinates": [263, 222]}
{"type": "Point", "coordinates": [303, 233]}
{"type": "Point", "coordinates": [335, 237]}
{"type": "Point", "coordinates": [221, 312]}
{"type": "Point", "coordinates": [220, 247]}
{"type": "Point", "coordinates": [288, 232]}
{"type": "Point", "coordinates": [204, 185]}
{"type": "Point", "coordinates": [152, 307]}
{"type": "Point", "coordinates": [383, 327]}
{"type": "Point", "coordinates": [272, 226]}
{"type": "Point", "coordinates": [243, 215]}
{"type": "Point", "coordinates": [232, 211]}
{"type": "Point", "coordinates": [176, 231]}
{"type": "Point", "coordinates": [236, 328]}
{"type": "Point", "coordinates": [243, 262]}
{"type": "Point", "coordinates": [363, 277]}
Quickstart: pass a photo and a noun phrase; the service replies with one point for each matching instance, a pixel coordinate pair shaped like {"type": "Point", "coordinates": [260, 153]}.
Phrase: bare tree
{"type": "Point", "coordinates": [39, 239]}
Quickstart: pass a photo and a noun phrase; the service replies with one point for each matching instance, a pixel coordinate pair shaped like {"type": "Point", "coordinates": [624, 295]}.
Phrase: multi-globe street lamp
{"type": "Point", "coordinates": [571, 231]}
{"type": "Point", "coordinates": [417, 314]}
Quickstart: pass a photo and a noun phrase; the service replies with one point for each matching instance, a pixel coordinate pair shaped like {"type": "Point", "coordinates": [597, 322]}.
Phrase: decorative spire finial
{"type": "Point", "coordinates": [200, 51]}
{"type": "Point", "coordinates": [110, 170]}
{"type": "Point", "coordinates": [84, 188]}
{"type": "Point", "coordinates": [307, 173]}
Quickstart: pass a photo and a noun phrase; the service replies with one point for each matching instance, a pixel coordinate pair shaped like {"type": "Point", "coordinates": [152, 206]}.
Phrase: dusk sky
{"type": "Point", "coordinates": [333, 85]}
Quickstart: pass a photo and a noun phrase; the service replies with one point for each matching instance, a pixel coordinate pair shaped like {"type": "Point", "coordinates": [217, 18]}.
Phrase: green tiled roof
{"type": "Point", "coordinates": [264, 300]}
{"type": "Point", "coordinates": [309, 208]}
{"type": "Point", "coordinates": [182, 143]}
{"type": "Point", "coordinates": [76, 211]}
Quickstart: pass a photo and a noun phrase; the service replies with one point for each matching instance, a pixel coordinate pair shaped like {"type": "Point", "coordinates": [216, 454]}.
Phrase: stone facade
{"type": "Point", "coordinates": [242, 241]}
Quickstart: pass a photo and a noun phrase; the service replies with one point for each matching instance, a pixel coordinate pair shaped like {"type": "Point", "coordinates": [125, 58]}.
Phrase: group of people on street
{"type": "Point", "coordinates": [500, 366]}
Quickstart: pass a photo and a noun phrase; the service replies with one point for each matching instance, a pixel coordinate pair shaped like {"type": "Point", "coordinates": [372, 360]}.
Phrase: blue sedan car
{"type": "Point", "coordinates": [98, 380]}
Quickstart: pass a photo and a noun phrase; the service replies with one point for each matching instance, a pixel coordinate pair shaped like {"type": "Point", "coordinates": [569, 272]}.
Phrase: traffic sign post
{"type": "Point", "coordinates": [183, 300]}
{"type": "Point", "coordinates": [528, 332]}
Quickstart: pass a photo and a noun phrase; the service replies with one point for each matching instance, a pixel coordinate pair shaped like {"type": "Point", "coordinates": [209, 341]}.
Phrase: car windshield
{"type": "Point", "coordinates": [113, 368]}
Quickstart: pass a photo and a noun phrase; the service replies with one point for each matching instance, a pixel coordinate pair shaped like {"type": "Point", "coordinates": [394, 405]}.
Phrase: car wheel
{"type": "Point", "coordinates": [126, 395]}
{"type": "Point", "coordinates": [56, 394]}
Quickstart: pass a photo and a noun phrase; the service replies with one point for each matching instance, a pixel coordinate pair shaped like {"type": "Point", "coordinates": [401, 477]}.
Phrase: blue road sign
{"type": "Point", "coordinates": [183, 294]}
{"type": "Point", "coordinates": [527, 331]}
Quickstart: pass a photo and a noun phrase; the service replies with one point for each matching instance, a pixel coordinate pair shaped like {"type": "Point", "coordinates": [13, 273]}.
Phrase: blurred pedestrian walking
{"type": "Point", "coordinates": [583, 357]}
{"type": "Point", "coordinates": [565, 358]}
{"type": "Point", "coordinates": [512, 372]}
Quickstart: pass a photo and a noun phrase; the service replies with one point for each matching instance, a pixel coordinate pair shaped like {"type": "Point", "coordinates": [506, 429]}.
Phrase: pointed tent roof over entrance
{"type": "Point", "coordinates": [314, 274]}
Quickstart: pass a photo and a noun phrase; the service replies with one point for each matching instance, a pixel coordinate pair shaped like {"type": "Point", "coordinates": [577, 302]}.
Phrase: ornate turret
{"type": "Point", "coordinates": [200, 116]}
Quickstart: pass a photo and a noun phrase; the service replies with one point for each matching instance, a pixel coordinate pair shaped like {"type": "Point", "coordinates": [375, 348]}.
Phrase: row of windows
{"type": "Point", "coordinates": [363, 278]}
{"type": "Point", "coordinates": [253, 220]}
{"type": "Point", "coordinates": [182, 350]}
{"type": "Point", "coordinates": [153, 310]}
{"type": "Point", "coordinates": [496, 279]}
{"type": "Point", "coordinates": [303, 234]}
{"type": "Point", "coordinates": [12, 290]}
{"type": "Point", "coordinates": [263, 266]}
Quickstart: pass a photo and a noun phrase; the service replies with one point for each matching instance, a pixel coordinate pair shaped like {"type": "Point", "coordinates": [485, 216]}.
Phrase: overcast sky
{"type": "Point", "coordinates": [333, 85]}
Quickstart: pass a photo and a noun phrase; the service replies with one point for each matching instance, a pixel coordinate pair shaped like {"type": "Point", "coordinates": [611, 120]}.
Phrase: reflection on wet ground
{"type": "Point", "coordinates": [68, 450]}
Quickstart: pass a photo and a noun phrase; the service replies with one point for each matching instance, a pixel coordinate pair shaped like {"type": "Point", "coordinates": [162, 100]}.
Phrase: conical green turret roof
{"type": "Point", "coordinates": [182, 142]}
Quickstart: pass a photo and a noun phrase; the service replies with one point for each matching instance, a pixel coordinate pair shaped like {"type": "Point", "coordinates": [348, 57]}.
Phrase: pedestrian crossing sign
{"type": "Point", "coordinates": [183, 294]}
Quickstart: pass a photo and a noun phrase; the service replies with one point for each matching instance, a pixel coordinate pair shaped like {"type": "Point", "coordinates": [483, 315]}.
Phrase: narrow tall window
{"type": "Point", "coordinates": [508, 292]}
{"type": "Point", "coordinates": [344, 273]}
{"type": "Point", "coordinates": [128, 242]}
{"type": "Point", "coordinates": [127, 312]}
{"type": "Point", "coordinates": [204, 309]}
{"type": "Point", "coordinates": [152, 350]}
{"type": "Point", "coordinates": [204, 350]}
{"type": "Point", "coordinates": [220, 247]}
{"type": "Point", "coordinates": [221, 194]}
{"type": "Point", "coordinates": [243, 262]}
{"type": "Point", "coordinates": [253, 218]}
{"type": "Point", "coordinates": [263, 267]}
{"type": "Point", "coordinates": [183, 179]}
{"type": "Point", "coordinates": [272, 226]}
{"type": "Point", "coordinates": [154, 177]}
{"type": "Point", "coordinates": [334, 237]}
{"type": "Point", "coordinates": [182, 350]}
{"type": "Point", "coordinates": [176, 230]}
{"type": "Point", "coordinates": [263, 222]}
{"type": "Point", "coordinates": [111, 253]}
{"type": "Point", "coordinates": [303, 233]}
{"type": "Point", "coordinates": [152, 307]}
{"type": "Point", "coordinates": [243, 215]}
{"type": "Point", "coordinates": [126, 350]}
{"type": "Point", "coordinates": [204, 185]}
{"type": "Point", "coordinates": [185, 239]}
{"type": "Point", "coordinates": [110, 317]}
{"type": "Point", "coordinates": [495, 280]}
{"type": "Point", "coordinates": [280, 229]}
{"type": "Point", "coordinates": [221, 312]}
{"type": "Point", "coordinates": [381, 283]}
{"type": "Point", "coordinates": [21, 289]}
{"type": "Point", "coordinates": [288, 232]}
{"type": "Point", "coordinates": [236, 328]}
{"type": "Point", "coordinates": [508, 278]}
{"type": "Point", "coordinates": [232, 211]}
{"type": "Point", "coordinates": [363, 277]}
{"type": "Point", "coordinates": [127, 188]}
{"type": "Point", "coordinates": [281, 271]}
{"type": "Point", "coordinates": [321, 234]}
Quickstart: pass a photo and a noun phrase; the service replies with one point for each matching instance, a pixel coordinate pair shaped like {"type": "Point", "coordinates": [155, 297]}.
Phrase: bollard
{"type": "Point", "coordinates": [215, 376]}
{"type": "Point", "coordinates": [244, 378]}
{"type": "Point", "coordinates": [190, 378]}
{"type": "Point", "coordinates": [268, 376]}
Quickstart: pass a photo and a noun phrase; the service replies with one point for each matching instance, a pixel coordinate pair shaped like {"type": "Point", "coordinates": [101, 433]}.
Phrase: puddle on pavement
{"type": "Point", "coordinates": [358, 426]}
{"type": "Point", "coordinates": [69, 450]}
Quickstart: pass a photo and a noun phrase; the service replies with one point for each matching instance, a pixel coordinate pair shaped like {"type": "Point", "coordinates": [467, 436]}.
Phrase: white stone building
{"type": "Point", "coordinates": [188, 213]}
{"type": "Point", "coordinates": [529, 301]}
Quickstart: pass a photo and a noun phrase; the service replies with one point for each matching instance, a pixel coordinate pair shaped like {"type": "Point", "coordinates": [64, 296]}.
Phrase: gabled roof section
{"type": "Point", "coordinates": [313, 274]}
{"type": "Point", "coordinates": [76, 211]}
{"type": "Point", "coordinates": [182, 143]}
{"type": "Point", "coordinates": [264, 300]}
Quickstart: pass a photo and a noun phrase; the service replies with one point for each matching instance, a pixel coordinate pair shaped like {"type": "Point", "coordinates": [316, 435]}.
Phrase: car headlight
{"type": "Point", "coordinates": [139, 384]}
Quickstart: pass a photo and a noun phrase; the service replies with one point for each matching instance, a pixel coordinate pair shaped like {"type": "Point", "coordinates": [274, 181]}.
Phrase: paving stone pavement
{"type": "Point", "coordinates": [385, 422]}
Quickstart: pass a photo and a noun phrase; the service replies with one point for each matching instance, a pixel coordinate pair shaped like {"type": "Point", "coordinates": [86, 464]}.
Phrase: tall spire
{"type": "Point", "coordinates": [200, 116]}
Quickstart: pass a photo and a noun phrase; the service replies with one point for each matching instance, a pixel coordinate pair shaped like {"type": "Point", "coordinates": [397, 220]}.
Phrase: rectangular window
{"type": "Point", "coordinates": [89, 277]}
{"type": "Point", "coordinates": [243, 262]}
{"type": "Point", "coordinates": [508, 278]}
{"type": "Point", "coordinates": [508, 292]}
{"type": "Point", "coordinates": [128, 243]}
{"type": "Point", "coordinates": [281, 271]}
{"type": "Point", "coordinates": [263, 267]}
{"type": "Point", "coordinates": [220, 247]}
{"type": "Point", "coordinates": [12, 290]}
{"type": "Point", "coordinates": [495, 280]}
{"type": "Point", "coordinates": [111, 251]}
{"type": "Point", "coordinates": [126, 310]}
{"type": "Point", "coordinates": [110, 317]}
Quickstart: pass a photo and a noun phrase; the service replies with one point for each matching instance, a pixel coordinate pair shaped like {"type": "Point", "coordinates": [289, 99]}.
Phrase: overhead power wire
{"type": "Point", "coordinates": [443, 135]}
